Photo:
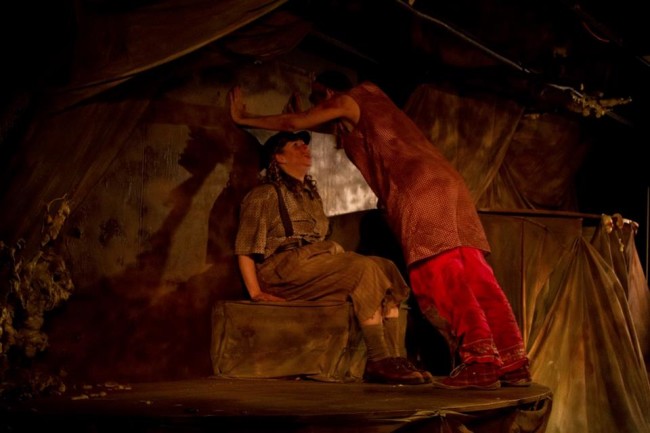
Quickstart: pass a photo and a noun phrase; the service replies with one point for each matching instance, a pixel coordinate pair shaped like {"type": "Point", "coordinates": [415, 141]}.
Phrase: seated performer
{"type": "Point", "coordinates": [283, 255]}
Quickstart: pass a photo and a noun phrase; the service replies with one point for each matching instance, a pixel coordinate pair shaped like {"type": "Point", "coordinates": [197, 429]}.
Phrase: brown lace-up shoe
{"type": "Point", "coordinates": [468, 376]}
{"type": "Point", "coordinates": [408, 365]}
{"type": "Point", "coordinates": [389, 371]}
{"type": "Point", "coordinates": [518, 377]}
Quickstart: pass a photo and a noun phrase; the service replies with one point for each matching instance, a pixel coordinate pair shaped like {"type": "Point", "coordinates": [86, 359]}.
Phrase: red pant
{"type": "Point", "coordinates": [459, 290]}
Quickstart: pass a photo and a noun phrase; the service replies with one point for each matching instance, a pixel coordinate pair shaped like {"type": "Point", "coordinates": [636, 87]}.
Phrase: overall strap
{"type": "Point", "coordinates": [284, 213]}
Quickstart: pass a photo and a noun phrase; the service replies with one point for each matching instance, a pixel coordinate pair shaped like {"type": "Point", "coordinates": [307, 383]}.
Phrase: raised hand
{"type": "Point", "coordinates": [294, 104]}
{"type": "Point", "coordinates": [237, 106]}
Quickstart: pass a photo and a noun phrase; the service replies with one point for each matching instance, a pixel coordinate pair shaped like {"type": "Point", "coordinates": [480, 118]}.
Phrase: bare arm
{"type": "Point", "coordinates": [249, 274]}
{"type": "Point", "coordinates": [339, 107]}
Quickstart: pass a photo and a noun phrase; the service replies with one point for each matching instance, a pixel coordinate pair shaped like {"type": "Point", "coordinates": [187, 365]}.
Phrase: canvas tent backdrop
{"type": "Point", "coordinates": [568, 293]}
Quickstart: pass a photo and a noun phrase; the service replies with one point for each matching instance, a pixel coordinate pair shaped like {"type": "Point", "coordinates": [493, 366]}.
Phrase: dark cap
{"type": "Point", "coordinates": [277, 142]}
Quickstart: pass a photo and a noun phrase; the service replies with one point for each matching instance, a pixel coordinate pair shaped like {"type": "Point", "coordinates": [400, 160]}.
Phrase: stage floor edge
{"type": "Point", "coordinates": [265, 405]}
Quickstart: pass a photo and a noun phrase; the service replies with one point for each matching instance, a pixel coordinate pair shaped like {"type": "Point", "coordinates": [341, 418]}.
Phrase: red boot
{"type": "Point", "coordinates": [467, 376]}
{"type": "Point", "coordinates": [518, 377]}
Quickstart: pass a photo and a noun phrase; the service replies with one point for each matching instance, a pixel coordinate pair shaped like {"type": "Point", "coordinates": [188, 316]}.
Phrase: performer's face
{"type": "Point", "coordinates": [295, 153]}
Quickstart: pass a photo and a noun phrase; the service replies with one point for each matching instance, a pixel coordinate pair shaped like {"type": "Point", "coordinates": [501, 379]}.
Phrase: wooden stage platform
{"type": "Point", "coordinates": [241, 405]}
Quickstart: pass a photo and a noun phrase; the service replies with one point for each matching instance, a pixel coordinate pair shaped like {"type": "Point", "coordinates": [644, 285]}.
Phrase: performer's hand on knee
{"type": "Point", "coordinates": [267, 297]}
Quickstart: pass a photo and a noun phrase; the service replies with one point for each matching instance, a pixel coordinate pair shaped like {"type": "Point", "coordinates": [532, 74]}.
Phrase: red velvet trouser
{"type": "Point", "coordinates": [458, 290]}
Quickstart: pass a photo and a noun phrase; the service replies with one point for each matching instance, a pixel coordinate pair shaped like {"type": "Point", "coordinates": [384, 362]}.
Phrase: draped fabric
{"type": "Point", "coordinates": [65, 154]}
{"type": "Point", "coordinates": [114, 45]}
{"type": "Point", "coordinates": [83, 125]}
{"type": "Point", "coordinates": [638, 296]}
{"type": "Point", "coordinates": [510, 160]}
{"type": "Point", "coordinates": [578, 323]}
{"type": "Point", "coordinates": [473, 134]}
{"type": "Point", "coordinates": [614, 240]}
{"type": "Point", "coordinates": [586, 351]}
{"type": "Point", "coordinates": [539, 169]}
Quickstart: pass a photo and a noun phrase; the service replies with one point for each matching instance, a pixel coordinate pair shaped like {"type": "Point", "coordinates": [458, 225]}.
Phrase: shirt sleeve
{"type": "Point", "coordinates": [254, 217]}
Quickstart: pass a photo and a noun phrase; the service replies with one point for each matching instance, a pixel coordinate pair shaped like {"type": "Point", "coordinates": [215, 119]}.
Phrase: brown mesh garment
{"type": "Point", "coordinates": [426, 201]}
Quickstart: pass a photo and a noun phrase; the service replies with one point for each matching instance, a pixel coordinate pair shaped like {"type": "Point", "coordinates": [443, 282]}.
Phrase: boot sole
{"type": "Point", "coordinates": [413, 381]}
{"type": "Point", "coordinates": [516, 384]}
{"type": "Point", "coordinates": [492, 386]}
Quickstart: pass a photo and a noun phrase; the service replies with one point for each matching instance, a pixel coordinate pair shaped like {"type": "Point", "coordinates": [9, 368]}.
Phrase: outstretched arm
{"type": "Point", "coordinates": [338, 107]}
{"type": "Point", "coordinates": [249, 274]}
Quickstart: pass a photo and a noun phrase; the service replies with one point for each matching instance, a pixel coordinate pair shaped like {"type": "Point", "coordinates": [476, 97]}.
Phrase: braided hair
{"type": "Point", "coordinates": [275, 175]}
